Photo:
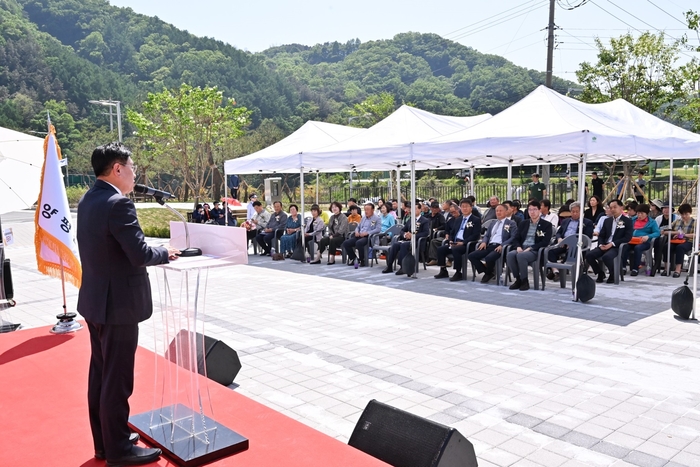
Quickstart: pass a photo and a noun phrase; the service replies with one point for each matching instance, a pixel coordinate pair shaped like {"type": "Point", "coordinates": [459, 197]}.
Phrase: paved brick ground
{"type": "Point", "coordinates": [531, 378]}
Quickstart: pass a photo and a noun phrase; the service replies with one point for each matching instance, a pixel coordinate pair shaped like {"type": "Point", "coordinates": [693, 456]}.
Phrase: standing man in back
{"type": "Point", "coordinates": [114, 297]}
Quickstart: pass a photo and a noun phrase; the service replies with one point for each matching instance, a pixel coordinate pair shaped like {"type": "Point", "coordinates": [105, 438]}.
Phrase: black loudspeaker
{"type": "Point", "coordinates": [222, 362]}
{"type": "Point", "coordinates": [402, 439]}
{"type": "Point", "coordinates": [7, 279]}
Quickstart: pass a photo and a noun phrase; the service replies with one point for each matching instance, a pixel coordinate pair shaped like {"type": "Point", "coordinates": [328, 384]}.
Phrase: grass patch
{"type": "Point", "coordinates": [155, 222]}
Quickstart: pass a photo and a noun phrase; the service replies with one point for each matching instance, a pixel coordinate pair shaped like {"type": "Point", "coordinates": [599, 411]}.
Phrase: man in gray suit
{"type": "Point", "coordinates": [114, 297]}
{"type": "Point", "coordinates": [501, 234]}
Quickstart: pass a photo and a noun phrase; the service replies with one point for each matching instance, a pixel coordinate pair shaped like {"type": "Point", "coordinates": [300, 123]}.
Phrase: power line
{"type": "Point", "coordinates": [669, 14]}
{"type": "Point", "coordinates": [500, 21]}
{"type": "Point", "coordinates": [486, 19]}
{"type": "Point", "coordinates": [508, 43]}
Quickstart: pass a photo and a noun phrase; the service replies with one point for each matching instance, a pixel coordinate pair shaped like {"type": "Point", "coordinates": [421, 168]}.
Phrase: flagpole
{"type": "Point", "coordinates": [66, 321]}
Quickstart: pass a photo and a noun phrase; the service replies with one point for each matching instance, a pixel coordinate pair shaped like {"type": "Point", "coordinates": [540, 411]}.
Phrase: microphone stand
{"type": "Point", "coordinates": [188, 251]}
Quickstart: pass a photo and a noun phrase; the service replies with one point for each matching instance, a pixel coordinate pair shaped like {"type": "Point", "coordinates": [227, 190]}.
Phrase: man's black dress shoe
{"type": "Point", "coordinates": [456, 277]}
{"type": "Point", "coordinates": [133, 439]}
{"type": "Point", "coordinates": [525, 285]}
{"type": "Point", "coordinates": [515, 285]}
{"type": "Point", "coordinates": [400, 272]}
{"type": "Point", "coordinates": [137, 456]}
{"type": "Point", "coordinates": [601, 278]}
{"type": "Point", "coordinates": [387, 270]}
{"type": "Point", "coordinates": [442, 274]}
{"type": "Point", "coordinates": [487, 277]}
{"type": "Point", "coordinates": [611, 280]}
{"type": "Point", "coordinates": [550, 275]}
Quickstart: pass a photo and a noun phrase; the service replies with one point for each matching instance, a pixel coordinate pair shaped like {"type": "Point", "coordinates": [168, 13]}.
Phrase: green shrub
{"type": "Point", "coordinates": [75, 193]}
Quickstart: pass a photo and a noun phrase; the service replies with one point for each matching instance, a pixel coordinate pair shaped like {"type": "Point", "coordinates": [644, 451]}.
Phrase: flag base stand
{"type": "Point", "coordinates": [190, 252]}
{"type": "Point", "coordinates": [66, 323]}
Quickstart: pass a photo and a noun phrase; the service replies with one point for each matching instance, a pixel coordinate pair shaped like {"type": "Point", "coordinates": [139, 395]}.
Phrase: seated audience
{"type": "Point", "coordinates": [197, 214]}
{"type": "Point", "coordinates": [353, 208]}
{"type": "Point", "coordinates": [435, 243]}
{"type": "Point", "coordinates": [258, 222]}
{"type": "Point", "coordinates": [313, 231]}
{"type": "Point", "coordinates": [207, 215]}
{"type": "Point", "coordinates": [501, 234]}
{"type": "Point", "coordinates": [437, 220]}
{"type": "Point", "coordinates": [402, 246]}
{"type": "Point", "coordinates": [548, 215]}
{"type": "Point", "coordinates": [616, 230]}
{"type": "Point", "coordinates": [465, 229]}
{"type": "Point", "coordinates": [595, 210]}
{"type": "Point", "coordinates": [337, 231]}
{"type": "Point", "coordinates": [655, 208]}
{"type": "Point", "coordinates": [475, 208]}
{"type": "Point", "coordinates": [218, 213]}
{"type": "Point", "coordinates": [601, 219]}
{"type": "Point", "coordinates": [533, 235]}
{"type": "Point", "coordinates": [250, 207]}
{"type": "Point", "coordinates": [370, 224]}
{"type": "Point", "coordinates": [645, 231]}
{"type": "Point", "coordinates": [682, 238]}
{"type": "Point", "coordinates": [292, 226]}
{"type": "Point", "coordinates": [567, 228]}
{"type": "Point", "coordinates": [388, 221]}
{"type": "Point", "coordinates": [406, 212]}
{"type": "Point", "coordinates": [266, 236]}
{"type": "Point", "coordinates": [490, 212]}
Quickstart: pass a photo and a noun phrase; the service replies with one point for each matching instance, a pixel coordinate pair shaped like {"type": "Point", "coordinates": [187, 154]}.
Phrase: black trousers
{"type": "Point", "coordinates": [555, 254]}
{"type": "Point", "coordinates": [355, 242]}
{"type": "Point", "coordinates": [608, 257]}
{"type": "Point", "coordinates": [110, 383]}
{"type": "Point", "coordinates": [397, 251]}
{"type": "Point", "coordinates": [265, 240]}
{"type": "Point", "coordinates": [332, 243]}
{"type": "Point", "coordinates": [489, 255]}
{"type": "Point", "coordinates": [457, 255]}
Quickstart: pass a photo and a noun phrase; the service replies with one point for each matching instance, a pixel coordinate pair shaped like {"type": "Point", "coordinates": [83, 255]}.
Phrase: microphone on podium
{"type": "Point", "coordinates": [160, 197]}
{"type": "Point", "coordinates": [148, 191]}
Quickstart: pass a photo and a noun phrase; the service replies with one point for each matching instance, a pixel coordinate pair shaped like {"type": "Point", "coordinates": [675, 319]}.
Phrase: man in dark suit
{"type": "Point", "coordinates": [500, 235]}
{"type": "Point", "coordinates": [465, 229]}
{"type": "Point", "coordinates": [569, 226]}
{"type": "Point", "coordinates": [114, 297]}
{"type": "Point", "coordinates": [534, 234]}
{"type": "Point", "coordinates": [616, 230]}
{"type": "Point", "coordinates": [401, 248]}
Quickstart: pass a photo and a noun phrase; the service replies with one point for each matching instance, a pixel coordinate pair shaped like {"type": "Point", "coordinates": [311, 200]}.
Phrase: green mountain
{"type": "Point", "coordinates": [58, 54]}
{"type": "Point", "coordinates": [425, 70]}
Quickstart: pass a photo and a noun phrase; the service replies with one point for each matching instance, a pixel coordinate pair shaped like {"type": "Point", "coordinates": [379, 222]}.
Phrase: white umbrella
{"type": "Point", "coordinates": [21, 159]}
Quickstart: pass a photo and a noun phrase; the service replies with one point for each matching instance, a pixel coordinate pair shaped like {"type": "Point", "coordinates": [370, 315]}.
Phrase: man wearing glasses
{"type": "Point", "coordinates": [114, 297]}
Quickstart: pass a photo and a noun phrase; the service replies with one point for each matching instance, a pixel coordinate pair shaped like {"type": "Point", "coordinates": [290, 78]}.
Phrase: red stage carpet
{"type": "Point", "coordinates": [43, 411]}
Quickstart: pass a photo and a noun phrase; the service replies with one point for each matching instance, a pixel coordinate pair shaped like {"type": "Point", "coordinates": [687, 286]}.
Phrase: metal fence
{"type": "Point", "coordinates": [557, 193]}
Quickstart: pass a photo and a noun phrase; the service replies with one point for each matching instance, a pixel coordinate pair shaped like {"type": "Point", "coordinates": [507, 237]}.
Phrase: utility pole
{"type": "Point", "coordinates": [550, 44]}
{"type": "Point", "coordinates": [548, 79]}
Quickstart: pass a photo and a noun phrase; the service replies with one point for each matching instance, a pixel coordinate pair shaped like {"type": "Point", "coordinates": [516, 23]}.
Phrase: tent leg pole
{"type": "Point", "coordinates": [416, 254]}
{"type": "Point", "coordinates": [695, 248]}
{"type": "Point", "coordinates": [509, 190]}
{"type": "Point", "coordinates": [471, 182]}
{"type": "Point", "coordinates": [581, 195]}
{"type": "Point", "coordinates": [303, 226]}
{"type": "Point", "coordinates": [670, 215]}
{"type": "Point", "coordinates": [317, 187]}
{"type": "Point", "coordinates": [398, 187]}
{"type": "Point", "coordinates": [226, 194]}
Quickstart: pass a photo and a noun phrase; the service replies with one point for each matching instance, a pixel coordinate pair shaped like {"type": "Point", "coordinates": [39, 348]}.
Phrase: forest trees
{"type": "Point", "coordinates": [185, 129]}
{"type": "Point", "coordinates": [642, 71]}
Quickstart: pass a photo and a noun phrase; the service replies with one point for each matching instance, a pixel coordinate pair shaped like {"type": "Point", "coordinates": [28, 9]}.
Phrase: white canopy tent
{"type": "Point", "coordinates": [281, 157]}
{"type": "Point", "coordinates": [21, 160]}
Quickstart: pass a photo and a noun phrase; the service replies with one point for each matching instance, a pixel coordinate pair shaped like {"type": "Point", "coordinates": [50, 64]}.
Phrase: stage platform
{"type": "Point", "coordinates": [43, 411]}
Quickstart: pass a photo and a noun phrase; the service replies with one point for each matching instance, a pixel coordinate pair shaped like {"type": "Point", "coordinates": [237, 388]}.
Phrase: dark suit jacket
{"type": "Point", "coordinates": [470, 234]}
{"type": "Point", "coordinates": [423, 228]}
{"type": "Point", "coordinates": [587, 228]}
{"type": "Point", "coordinates": [507, 234]}
{"type": "Point", "coordinates": [623, 233]}
{"type": "Point", "coordinates": [541, 241]}
{"type": "Point", "coordinates": [114, 256]}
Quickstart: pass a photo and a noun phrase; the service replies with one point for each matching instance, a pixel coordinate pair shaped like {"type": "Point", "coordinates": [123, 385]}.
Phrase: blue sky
{"type": "Point", "coordinates": [513, 29]}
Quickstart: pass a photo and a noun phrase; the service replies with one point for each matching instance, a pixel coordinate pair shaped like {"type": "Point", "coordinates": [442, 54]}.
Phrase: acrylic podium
{"type": "Point", "coordinates": [182, 421]}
